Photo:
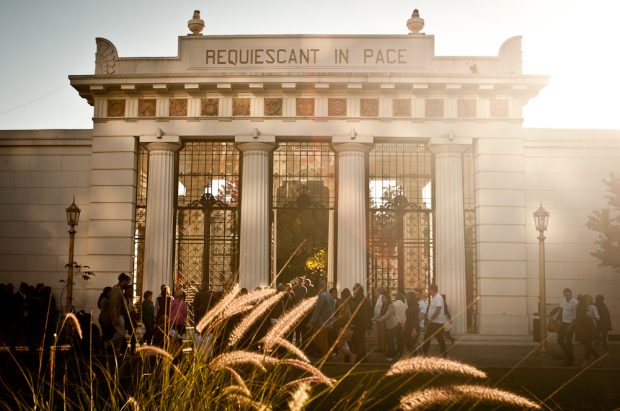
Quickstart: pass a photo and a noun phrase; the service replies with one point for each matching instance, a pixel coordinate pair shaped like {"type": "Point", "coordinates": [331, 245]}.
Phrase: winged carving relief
{"type": "Point", "coordinates": [105, 57]}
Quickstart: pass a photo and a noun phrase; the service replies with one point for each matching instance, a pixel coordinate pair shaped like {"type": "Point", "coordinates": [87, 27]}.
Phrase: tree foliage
{"type": "Point", "coordinates": [607, 223]}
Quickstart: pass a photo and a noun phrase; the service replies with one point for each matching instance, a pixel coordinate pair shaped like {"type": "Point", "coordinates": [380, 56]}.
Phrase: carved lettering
{"type": "Point", "coordinates": [303, 56]}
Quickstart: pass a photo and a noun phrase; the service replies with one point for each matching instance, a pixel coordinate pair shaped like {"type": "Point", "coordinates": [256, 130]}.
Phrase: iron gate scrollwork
{"type": "Point", "coordinates": [207, 216]}
{"type": "Point", "coordinates": [400, 217]}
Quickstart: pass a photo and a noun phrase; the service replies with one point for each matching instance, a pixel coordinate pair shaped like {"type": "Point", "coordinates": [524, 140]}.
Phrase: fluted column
{"type": "Point", "coordinates": [450, 230]}
{"type": "Point", "coordinates": [255, 210]}
{"type": "Point", "coordinates": [159, 232]}
{"type": "Point", "coordinates": [351, 261]}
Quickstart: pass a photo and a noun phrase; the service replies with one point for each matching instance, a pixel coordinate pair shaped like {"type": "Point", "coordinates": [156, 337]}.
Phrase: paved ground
{"type": "Point", "coordinates": [514, 364]}
{"type": "Point", "coordinates": [500, 351]}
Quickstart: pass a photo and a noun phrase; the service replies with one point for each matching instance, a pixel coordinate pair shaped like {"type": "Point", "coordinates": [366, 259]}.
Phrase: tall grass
{"type": "Point", "coordinates": [233, 366]}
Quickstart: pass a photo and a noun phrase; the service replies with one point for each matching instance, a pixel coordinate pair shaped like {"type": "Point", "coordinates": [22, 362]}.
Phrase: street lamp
{"type": "Point", "coordinates": [541, 218]}
{"type": "Point", "coordinates": [73, 216]}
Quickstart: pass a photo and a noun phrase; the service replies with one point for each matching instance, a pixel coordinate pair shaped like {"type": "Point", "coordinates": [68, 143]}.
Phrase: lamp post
{"type": "Point", "coordinates": [73, 216]}
{"type": "Point", "coordinates": [541, 218]}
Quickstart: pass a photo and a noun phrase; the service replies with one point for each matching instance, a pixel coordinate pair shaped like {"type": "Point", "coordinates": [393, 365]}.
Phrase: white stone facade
{"type": "Point", "coordinates": [353, 91]}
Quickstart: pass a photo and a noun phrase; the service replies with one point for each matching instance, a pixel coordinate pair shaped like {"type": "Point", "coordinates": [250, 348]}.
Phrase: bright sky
{"type": "Point", "coordinates": [573, 41]}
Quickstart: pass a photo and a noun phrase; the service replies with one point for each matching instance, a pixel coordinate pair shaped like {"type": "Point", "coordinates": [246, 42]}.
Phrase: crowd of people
{"type": "Point", "coordinates": [337, 327]}
{"type": "Point", "coordinates": [29, 315]}
{"type": "Point", "coordinates": [587, 321]}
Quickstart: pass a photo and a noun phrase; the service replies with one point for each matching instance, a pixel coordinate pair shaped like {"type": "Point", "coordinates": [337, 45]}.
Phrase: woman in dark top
{"type": "Point", "coordinates": [604, 323]}
{"type": "Point", "coordinates": [412, 323]}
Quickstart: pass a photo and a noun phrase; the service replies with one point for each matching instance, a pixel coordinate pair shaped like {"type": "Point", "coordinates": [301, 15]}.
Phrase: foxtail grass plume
{"type": "Point", "coordinates": [236, 389]}
{"type": "Point", "coordinates": [214, 313]}
{"type": "Point", "coordinates": [229, 359]}
{"type": "Point", "coordinates": [292, 348]}
{"type": "Point", "coordinates": [445, 396]}
{"type": "Point", "coordinates": [131, 402]}
{"type": "Point", "coordinates": [156, 351]}
{"type": "Point", "coordinates": [75, 322]}
{"type": "Point", "coordinates": [309, 368]}
{"type": "Point", "coordinates": [239, 380]}
{"type": "Point", "coordinates": [250, 319]}
{"type": "Point", "coordinates": [299, 397]}
{"type": "Point", "coordinates": [288, 321]}
{"type": "Point", "coordinates": [304, 380]}
{"type": "Point", "coordinates": [247, 403]}
{"type": "Point", "coordinates": [249, 300]}
{"type": "Point", "coordinates": [434, 365]}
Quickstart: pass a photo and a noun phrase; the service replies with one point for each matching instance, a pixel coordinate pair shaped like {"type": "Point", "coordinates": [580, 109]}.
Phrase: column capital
{"type": "Point", "coordinates": [255, 143]}
{"type": "Point", "coordinates": [352, 147]}
{"type": "Point", "coordinates": [449, 144]}
{"type": "Point", "coordinates": [163, 146]}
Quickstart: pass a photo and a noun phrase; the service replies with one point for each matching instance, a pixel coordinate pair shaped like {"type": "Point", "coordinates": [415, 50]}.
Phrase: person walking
{"type": "Point", "coordinates": [117, 312]}
{"type": "Point", "coordinates": [322, 319]}
{"type": "Point", "coordinates": [392, 326]}
{"type": "Point", "coordinates": [435, 321]}
{"type": "Point", "coordinates": [178, 313]}
{"type": "Point", "coordinates": [148, 317]}
{"type": "Point", "coordinates": [604, 323]}
{"type": "Point", "coordinates": [567, 326]}
{"type": "Point", "coordinates": [299, 291]}
{"type": "Point", "coordinates": [400, 310]}
{"type": "Point", "coordinates": [412, 324]}
{"type": "Point", "coordinates": [586, 326]}
{"type": "Point", "coordinates": [361, 311]}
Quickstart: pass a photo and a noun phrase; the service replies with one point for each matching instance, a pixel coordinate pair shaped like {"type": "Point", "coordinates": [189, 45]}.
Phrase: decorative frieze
{"type": "Point", "coordinates": [369, 107]}
{"type": "Point", "coordinates": [434, 107]}
{"type": "Point", "coordinates": [305, 107]}
{"type": "Point", "coordinates": [337, 107]}
{"type": "Point", "coordinates": [146, 107]}
{"type": "Point", "coordinates": [209, 107]}
{"type": "Point", "coordinates": [466, 108]}
{"type": "Point", "coordinates": [498, 108]}
{"type": "Point", "coordinates": [178, 107]}
{"type": "Point", "coordinates": [116, 108]}
{"type": "Point", "coordinates": [273, 107]}
{"type": "Point", "coordinates": [401, 107]}
{"type": "Point", "coordinates": [241, 107]}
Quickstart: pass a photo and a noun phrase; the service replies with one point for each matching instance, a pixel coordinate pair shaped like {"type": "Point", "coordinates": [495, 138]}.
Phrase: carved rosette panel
{"type": "Point", "coordinates": [178, 107]}
{"type": "Point", "coordinates": [241, 107]}
{"type": "Point", "coordinates": [304, 106]}
{"type": "Point", "coordinates": [466, 107]}
{"type": "Point", "coordinates": [116, 108]}
{"type": "Point", "coordinates": [499, 108]}
{"type": "Point", "coordinates": [401, 107]}
{"type": "Point", "coordinates": [146, 107]}
{"type": "Point", "coordinates": [273, 106]}
{"type": "Point", "coordinates": [369, 107]}
{"type": "Point", "coordinates": [434, 107]}
{"type": "Point", "coordinates": [337, 107]}
{"type": "Point", "coordinates": [210, 106]}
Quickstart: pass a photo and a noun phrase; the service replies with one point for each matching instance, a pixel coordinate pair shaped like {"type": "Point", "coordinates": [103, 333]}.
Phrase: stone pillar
{"type": "Point", "coordinates": [161, 189]}
{"type": "Point", "coordinates": [450, 229]}
{"type": "Point", "coordinates": [352, 258]}
{"type": "Point", "coordinates": [255, 231]}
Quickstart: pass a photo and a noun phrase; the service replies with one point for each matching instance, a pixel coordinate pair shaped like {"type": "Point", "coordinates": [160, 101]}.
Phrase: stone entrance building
{"type": "Point", "coordinates": [251, 158]}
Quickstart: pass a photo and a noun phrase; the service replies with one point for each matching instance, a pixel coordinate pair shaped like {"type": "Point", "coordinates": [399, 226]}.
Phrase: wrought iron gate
{"type": "Point", "coordinates": [400, 217]}
{"type": "Point", "coordinates": [303, 203]}
{"type": "Point", "coordinates": [207, 216]}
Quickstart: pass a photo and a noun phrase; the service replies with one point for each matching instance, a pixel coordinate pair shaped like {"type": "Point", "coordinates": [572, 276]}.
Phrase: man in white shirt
{"type": "Point", "coordinates": [567, 326]}
{"type": "Point", "coordinates": [380, 326]}
{"type": "Point", "coordinates": [422, 306]}
{"type": "Point", "coordinates": [400, 310]}
{"type": "Point", "coordinates": [435, 321]}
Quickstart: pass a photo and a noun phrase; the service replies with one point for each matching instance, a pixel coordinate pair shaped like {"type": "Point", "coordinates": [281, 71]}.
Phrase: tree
{"type": "Point", "coordinates": [607, 222]}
